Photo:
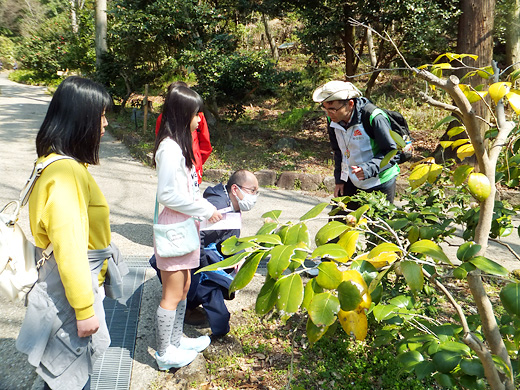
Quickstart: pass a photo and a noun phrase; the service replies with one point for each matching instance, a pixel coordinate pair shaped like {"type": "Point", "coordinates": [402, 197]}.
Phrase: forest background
{"type": "Point", "coordinates": [256, 64]}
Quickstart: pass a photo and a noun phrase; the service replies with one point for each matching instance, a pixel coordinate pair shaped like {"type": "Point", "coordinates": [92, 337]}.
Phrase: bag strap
{"type": "Point", "coordinates": [156, 212]}
{"type": "Point", "coordinates": [37, 171]}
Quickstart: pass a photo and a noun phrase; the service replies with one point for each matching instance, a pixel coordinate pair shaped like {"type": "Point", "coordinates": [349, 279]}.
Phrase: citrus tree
{"type": "Point", "coordinates": [384, 263]}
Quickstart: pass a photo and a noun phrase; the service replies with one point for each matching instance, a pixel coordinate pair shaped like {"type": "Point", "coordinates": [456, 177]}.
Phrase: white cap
{"type": "Point", "coordinates": [336, 90]}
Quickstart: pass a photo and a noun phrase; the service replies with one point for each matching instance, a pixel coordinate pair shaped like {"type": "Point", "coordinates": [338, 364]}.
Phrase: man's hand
{"type": "Point", "coordinates": [338, 190]}
{"type": "Point", "coordinates": [358, 172]}
{"type": "Point", "coordinates": [87, 327]}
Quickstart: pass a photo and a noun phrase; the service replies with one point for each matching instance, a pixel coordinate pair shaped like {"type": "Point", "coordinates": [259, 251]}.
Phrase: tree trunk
{"type": "Point", "coordinates": [73, 17]}
{"type": "Point", "coordinates": [348, 44]}
{"type": "Point", "coordinates": [270, 38]}
{"type": "Point", "coordinates": [371, 50]}
{"type": "Point", "coordinates": [513, 36]}
{"type": "Point", "coordinates": [101, 30]}
{"type": "Point", "coordinates": [475, 36]}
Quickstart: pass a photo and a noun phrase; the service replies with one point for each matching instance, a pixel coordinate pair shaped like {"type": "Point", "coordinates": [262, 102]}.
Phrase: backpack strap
{"type": "Point", "coordinates": [370, 111]}
{"type": "Point", "coordinates": [37, 171]}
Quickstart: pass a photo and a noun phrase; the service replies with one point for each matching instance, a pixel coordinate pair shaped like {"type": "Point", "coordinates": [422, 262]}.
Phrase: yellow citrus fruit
{"type": "Point", "coordinates": [479, 186]}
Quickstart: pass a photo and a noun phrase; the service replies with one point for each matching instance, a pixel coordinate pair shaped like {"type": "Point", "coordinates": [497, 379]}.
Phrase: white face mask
{"type": "Point", "coordinates": [248, 201]}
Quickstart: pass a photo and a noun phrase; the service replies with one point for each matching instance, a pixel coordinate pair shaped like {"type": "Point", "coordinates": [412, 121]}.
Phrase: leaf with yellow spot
{"type": "Point", "coordinates": [456, 131]}
{"type": "Point", "coordinates": [459, 142]}
{"type": "Point", "coordinates": [513, 98]}
{"type": "Point", "coordinates": [446, 144]}
{"type": "Point", "coordinates": [419, 176]}
{"type": "Point", "coordinates": [465, 151]}
{"type": "Point", "coordinates": [348, 241]}
{"type": "Point", "coordinates": [461, 173]}
{"type": "Point", "coordinates": [354, 276]}
{"type": "Point", "coordinates": [471, 95]}
{"type": "Point", "coordinates": [435, 171]}
{"type": "Point", "coordinates": [498, 90]}
{"type": "Point", "coordinates": [383, 259]}
{"type": "Point", "coordinates": [486, 72]}
{"type": "Point", "coordinates": [354, 322]}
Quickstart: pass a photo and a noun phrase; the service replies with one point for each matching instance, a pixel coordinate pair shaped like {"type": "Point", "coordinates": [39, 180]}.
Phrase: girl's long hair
{"type": "Point", "coordinates": [72, 125]}
{"type": "Point", "coordinates": [180, 106]}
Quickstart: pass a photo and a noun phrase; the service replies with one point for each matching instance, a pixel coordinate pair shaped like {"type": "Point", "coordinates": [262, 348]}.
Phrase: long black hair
{"type": "Point", "coordinates": [72, 125]}
{"type": "Point", "coordinates": [180, 107]}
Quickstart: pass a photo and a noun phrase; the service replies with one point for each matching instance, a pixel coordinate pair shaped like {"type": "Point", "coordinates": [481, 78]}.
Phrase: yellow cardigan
{"type": "Point", "coordinates": [67, 208]}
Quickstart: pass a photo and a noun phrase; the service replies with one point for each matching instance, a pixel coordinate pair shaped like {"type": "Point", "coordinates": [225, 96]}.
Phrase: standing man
{"type": "Point", "coordinates": [210, 289]}
{"type": "Point", "coordinates": [357, 155]}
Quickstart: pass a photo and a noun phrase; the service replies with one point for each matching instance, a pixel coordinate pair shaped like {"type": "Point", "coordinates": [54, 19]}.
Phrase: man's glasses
{"type": "Point", "coordinates": [252, 191]}
{"type": "Point", "coordinates": [333, 110]}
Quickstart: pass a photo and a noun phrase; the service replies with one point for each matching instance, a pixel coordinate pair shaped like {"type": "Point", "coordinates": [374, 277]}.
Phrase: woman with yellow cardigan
{"type": "Point", "coordinates": [64, 329]}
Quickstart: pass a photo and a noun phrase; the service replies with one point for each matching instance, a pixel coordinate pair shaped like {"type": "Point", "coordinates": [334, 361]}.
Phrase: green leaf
{"type": "Point", "coordinates": [410, 359]}
{"type": "Point", "coordinates": [510, 298]}
{"type": "Point", "coordinates": [461, 174]}
{"type": "Point", "coordinates": [226, 263]}
{"type": "Point", "coordinates": [331, 230]}
{"type": "Point", "coordinates": [274, 214]}
{"type": "Point", "coordinates": [472, 367]}
{"type": "Point", "coordinates": [461, 272]}
{"type": "Point", "coordinates": [398, 224]}
{"type": "Point", "coordinates": [280, 259]}
{"type": "Point", "coordinates": [402, 301]}
{"type": "Point", "coordinates": [454, 346]}
{"type": "Point", "coordinates": [267, 228]}
{"type": "Point", "coordinates": [246, 272]}
{"type": "Point", "coordinates": [384, 247]}
{"type": "Point", "coordinates": [501, 365]}
{"type": "Point", "coordinates": [290, 295]}
{"type": "Point", "coordinates": [232, 246]}
{"type": "Point", "coordinates": [314, 333]}
{"type": "Point", "coordinates": [445, 361]}
{"type": "Point", "coordinates": [398, 140]}
{"type": "Point", "coordinates": [471, 383]}
{"type": "Point", "coordinates": [384, 312]}
{"type": "Point", "coordinates": [329, 276]}
{"type": "Point", "coordinates": [348, 295]}
{"type": "Point", "coordinates": [489, 266]}
{"type": "Point", "coordinates": [429, 248]}
{"type": "Point", "coordinates": [448, 119]}
{"type": "Point", "coordinates": [444, 380]}
{"type": "Point", "coordinates": [467, 250]}
{"type": "Point", "coordinates": [314, 212]}
{"type": "Point", "coordinates": [348, 241]}
{"type": "Point", "coordinates": [358, 213]}
{"type": "Point", "coordinates": [266, 298]}
{"type": "Point", "coordinates": [298, 233]}
{"type": "Point", "coordinates": [388, 157]}
{"type": "Point", "coordinates": [413, 274]}
{"type": "Point", "coordinates": [311, 289]}
{"type": "Point", "coordinates": [331, 251]}
{"type": "Point", "coordinates": [323, 309]}
{"type": "Point", "coordinates": [424, 369]}
{"type": "Point", "coordinates": [264, 238]}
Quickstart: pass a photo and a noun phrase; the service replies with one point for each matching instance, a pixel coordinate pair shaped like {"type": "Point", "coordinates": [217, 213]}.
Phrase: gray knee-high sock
{"type": "Point", "coordinates": [178, 325]}
{"type": "Point", "coordinates": [163, 329]}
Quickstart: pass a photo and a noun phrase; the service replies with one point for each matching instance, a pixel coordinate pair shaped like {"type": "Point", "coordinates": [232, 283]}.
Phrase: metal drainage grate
{"type": "Point", "coordinates": [113, 370]}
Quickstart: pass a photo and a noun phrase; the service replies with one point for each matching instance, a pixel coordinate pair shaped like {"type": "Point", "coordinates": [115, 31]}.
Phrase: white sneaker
{"type": "Point", "coordinates": [174, 358]}
{"type": "Point", "coordinates": [198, 344]}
